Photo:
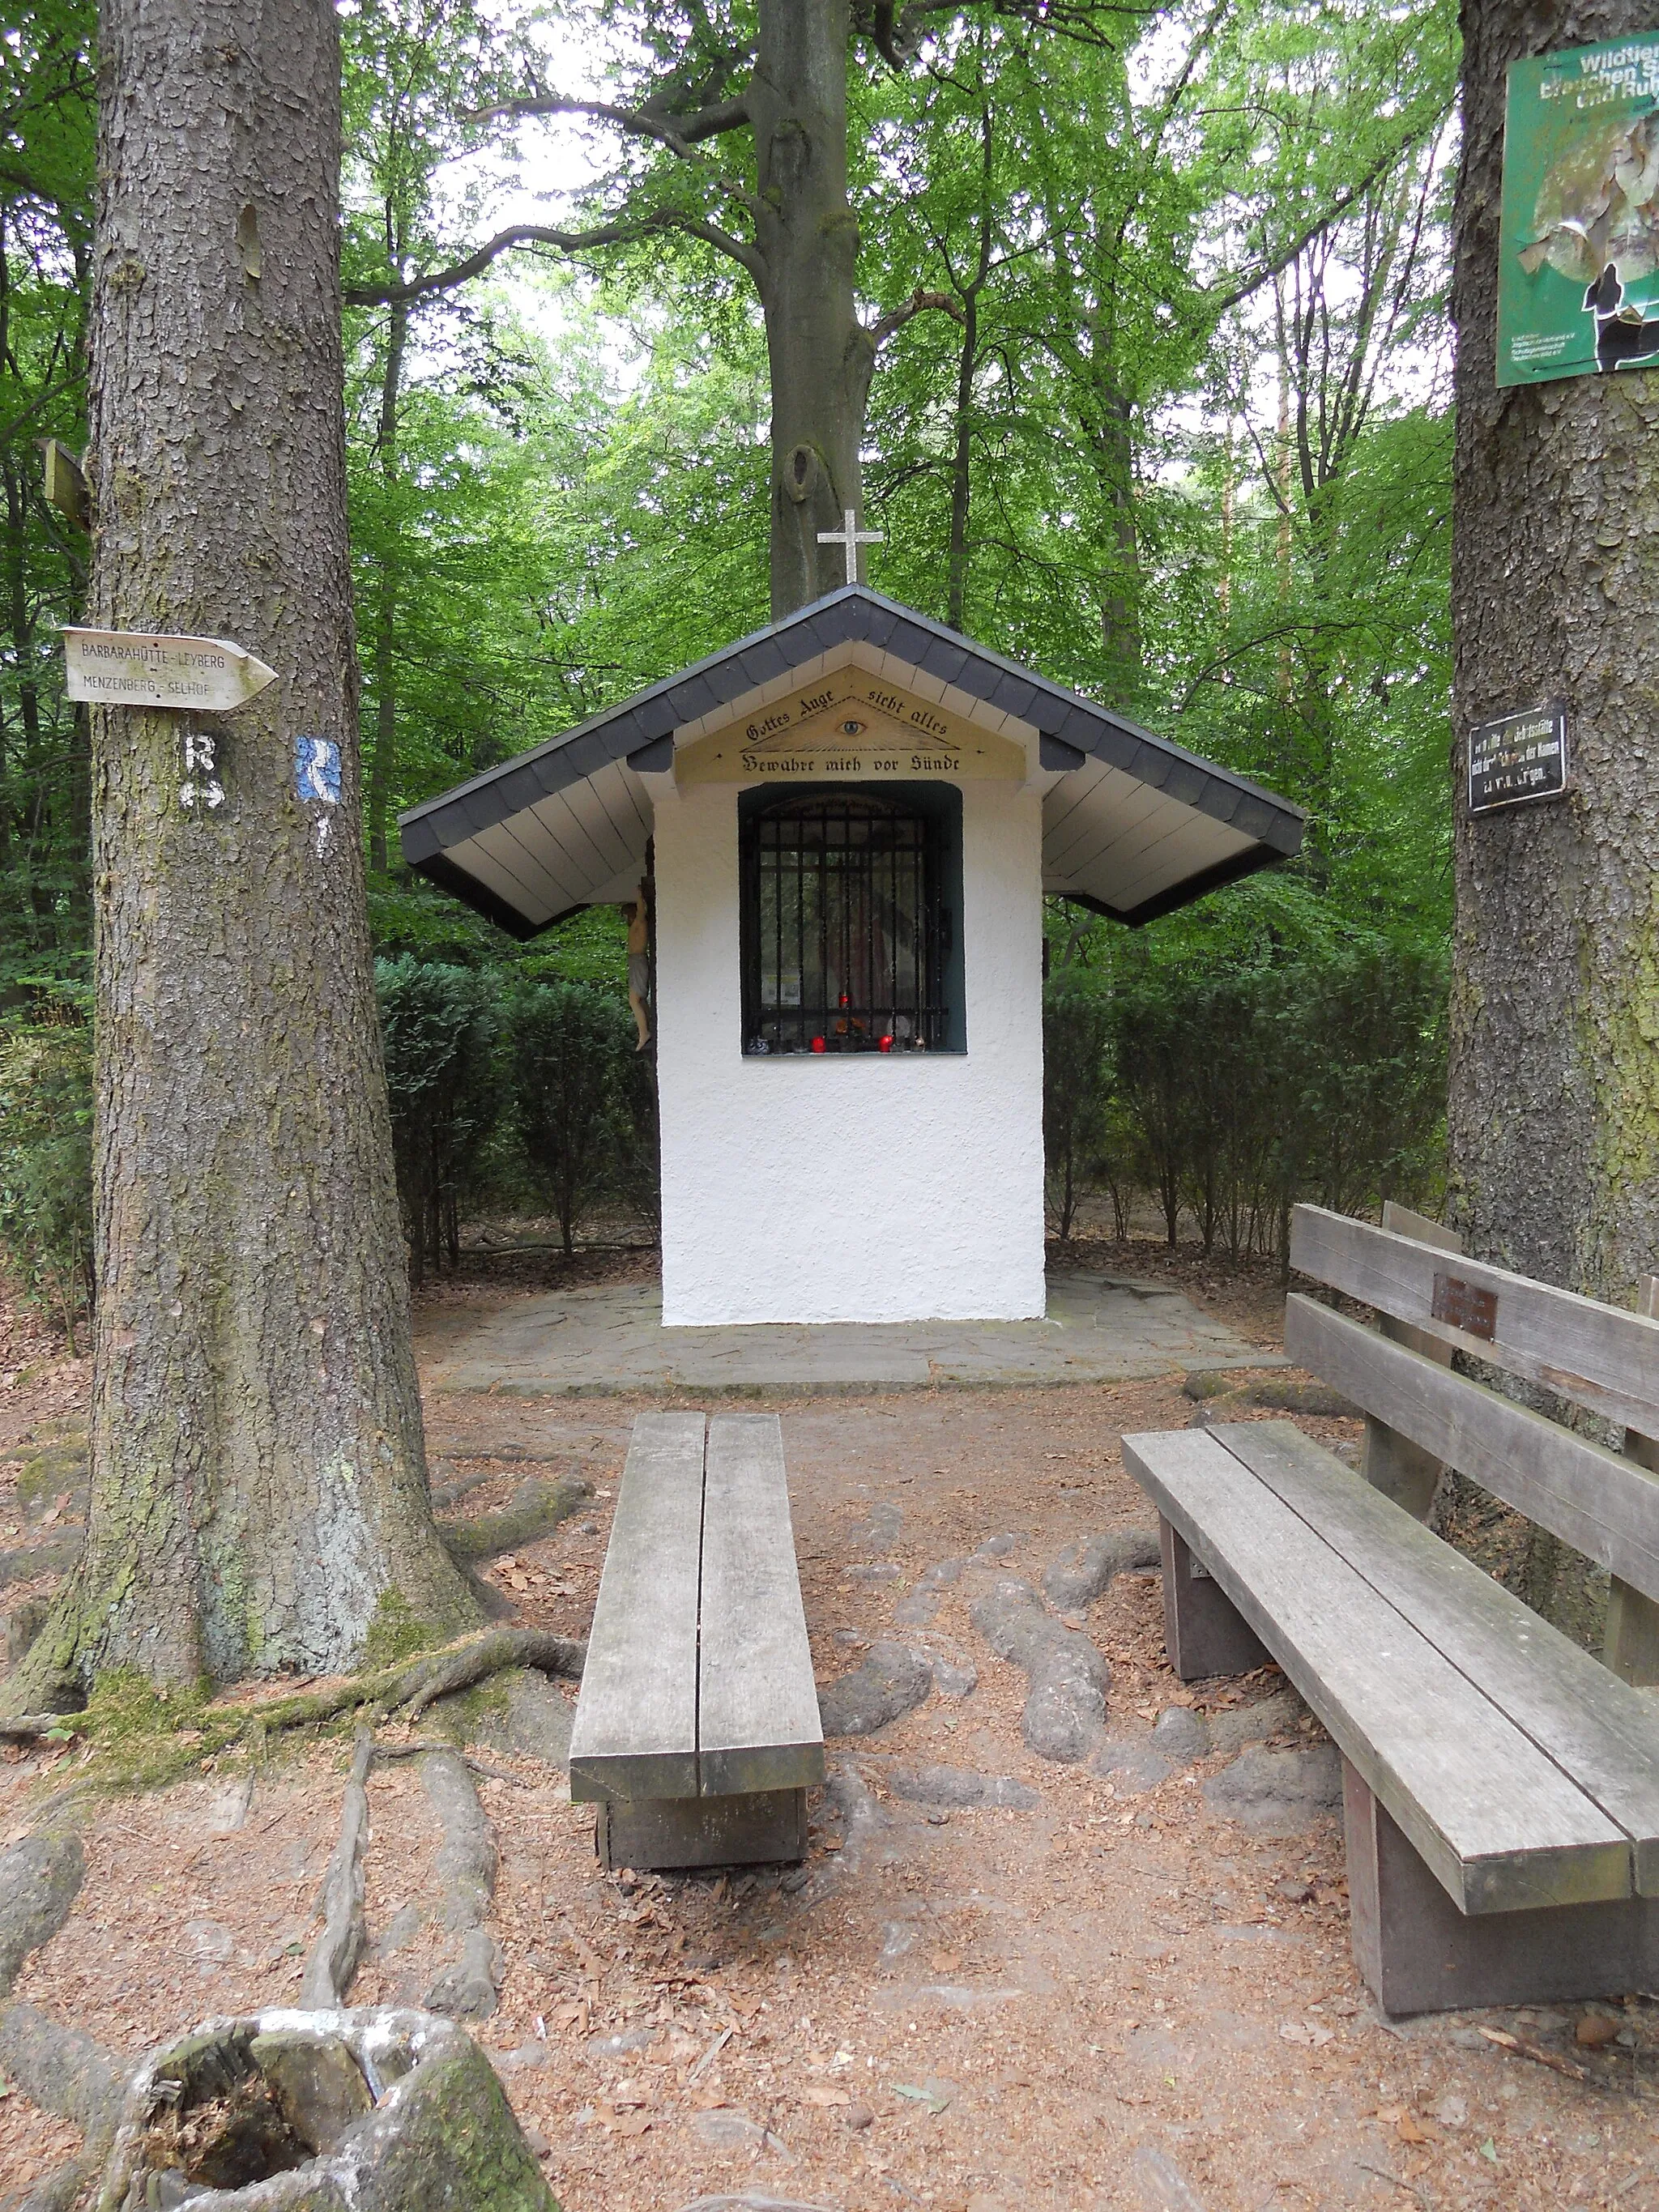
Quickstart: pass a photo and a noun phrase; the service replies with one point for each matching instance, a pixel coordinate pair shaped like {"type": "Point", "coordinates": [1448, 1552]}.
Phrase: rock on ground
{"type": "Point", "coordinates": [893, 1679]}
{"type": "Point", "coordinates": [1278, 1793]}
{"type": "Point", "coordinates": [849, 1799]}
{"type": "Point", "coordinates": [1133, 1763]}
{"type": "Point", "coordinates": [1083, 1569]}
{"type": "Point", "coordinates": [1181, 1735]}
{"type": "Point", "coordinates": [1141, 1762]}
{"type": "Point", "coordinates": [918, 1608]}
{"type": "Point", "coordinates": [879, 1528]}
{"type": "Point", "coordinates": [959, 1786]}
{"type": "Point", "coordinates": [994, 1548]}
{"type": "Point", "coordinates": [954, 1677]}
{"type": "Point", "coordinates": [1240, 1725]}
{"type": "Point", "coordinates": [380, 2110]}
{"type": "Point", "coordinates": [1065, 1700]}
{"type": "Point", "coordinates": [536, 1723]}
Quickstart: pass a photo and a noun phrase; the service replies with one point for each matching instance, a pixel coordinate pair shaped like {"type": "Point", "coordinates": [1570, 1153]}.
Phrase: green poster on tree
{"type": "Point", "coordinates": [1578, 283]}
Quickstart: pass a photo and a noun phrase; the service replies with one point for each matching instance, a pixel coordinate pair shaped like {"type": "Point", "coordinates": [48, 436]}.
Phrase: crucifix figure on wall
{"type": "Point", "coordinates": [851, 537]}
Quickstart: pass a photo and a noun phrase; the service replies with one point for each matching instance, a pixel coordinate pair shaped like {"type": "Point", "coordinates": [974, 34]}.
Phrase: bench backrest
{"type": "Point", "coordinates": [1602, 1503]}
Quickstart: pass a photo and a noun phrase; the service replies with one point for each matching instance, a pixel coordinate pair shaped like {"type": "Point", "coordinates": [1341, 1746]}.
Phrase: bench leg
{"type": "Point", "coordinates": [1418, 1953]}
{"type": "Point", "coordinates": [1204, 1633]}
{"type": "Point", "coordinates": [755, 1829]}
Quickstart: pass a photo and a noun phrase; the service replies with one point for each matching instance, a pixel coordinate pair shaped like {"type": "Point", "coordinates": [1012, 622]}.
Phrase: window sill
{"type": "Point", "coordinates": [781, 1059]}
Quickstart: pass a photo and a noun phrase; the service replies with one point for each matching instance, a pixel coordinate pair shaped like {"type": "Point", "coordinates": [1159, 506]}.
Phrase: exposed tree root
{"type": "Point", "coordinates": [26, 1728]}
{"type": "Point", "coordinates": [60, 2069]}
{"type": "Point", "coordinates": [60, 2191]}
{"type": "Point", "coordinates": [457, 1667]}
{"type": "Point", "coordinates": [406, 1687]}
{"type": "Point", "coordinates": [411, 1685]}
{"type": "Point", "coordinates": [417, 1744]}
{"type": "Point", "coordinates": [466, 1867]}
{"type": "Point", "coordinates": [338, 1952]}
{"type": "Point", "coordinates": [537, 1509]}
{"type": "Point", "coordinates": [41, 1878]}
{"type": "Point", "coordinates": [63, 2071]}
{"type": "Point", "coordinates": [447, 1495]}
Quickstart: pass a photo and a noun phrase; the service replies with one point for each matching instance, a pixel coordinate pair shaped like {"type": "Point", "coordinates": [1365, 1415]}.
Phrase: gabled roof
{"type": "Point", "coordinates": [1133, 826]}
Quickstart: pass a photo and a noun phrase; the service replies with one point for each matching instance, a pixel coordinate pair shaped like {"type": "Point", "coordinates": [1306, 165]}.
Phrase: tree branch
{"type": "Point", "coordinates": [679, 133]}
{"type": "Point", "coordinates": [918, 303]}
{"type": "Point", "coordinates": [626, 232]}
{"type": "Point", "coordinates": [1217, 304]}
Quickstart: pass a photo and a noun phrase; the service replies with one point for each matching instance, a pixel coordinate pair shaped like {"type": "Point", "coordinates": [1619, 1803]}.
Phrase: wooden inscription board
{"type": "Point", "coordinates": [1517, 757]}
{"type": "Point", "coordinates": [850, 725]}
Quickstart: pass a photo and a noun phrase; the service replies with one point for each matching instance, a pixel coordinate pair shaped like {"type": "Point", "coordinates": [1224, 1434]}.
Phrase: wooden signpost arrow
{"type": "Point", "coordinates": [126, 668]}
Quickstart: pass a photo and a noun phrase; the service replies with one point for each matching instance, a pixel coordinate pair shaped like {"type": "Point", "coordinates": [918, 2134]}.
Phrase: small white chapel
{"type": "Point", "coordinates": [846, 825]}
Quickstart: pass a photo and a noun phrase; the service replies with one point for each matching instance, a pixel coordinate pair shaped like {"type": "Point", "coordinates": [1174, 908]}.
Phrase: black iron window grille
{"type": "Point", "coordinates": [848, 923]}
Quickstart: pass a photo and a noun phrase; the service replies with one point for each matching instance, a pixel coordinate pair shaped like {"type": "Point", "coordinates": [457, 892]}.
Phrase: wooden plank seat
{"type": "Point", "coordinates": [1501, 1785]}
{"type": "Point", "coordinates": [697, 1733]}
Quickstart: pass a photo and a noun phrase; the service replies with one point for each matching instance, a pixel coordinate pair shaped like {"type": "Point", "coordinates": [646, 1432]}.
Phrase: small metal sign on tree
{"type": "Point", "coordinates": [1518, 757]}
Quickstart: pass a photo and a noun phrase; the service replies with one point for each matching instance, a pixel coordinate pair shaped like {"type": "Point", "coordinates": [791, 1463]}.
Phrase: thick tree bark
{"type": "Point", "coordinates": [820, 356]}
{"type": "Point", "coordinates": [1554, 1104]}
{"type": "Point", "coordinates": [258, 1480]}
{"type": "Point", "coordinates": [385, 612]}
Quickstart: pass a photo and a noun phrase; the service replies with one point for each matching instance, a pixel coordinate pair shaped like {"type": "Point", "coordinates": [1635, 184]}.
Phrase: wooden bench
{"type": "Point", "coordinates": [697, 1733]}
{"type": "Point", "coordinates": [1501, 1785]}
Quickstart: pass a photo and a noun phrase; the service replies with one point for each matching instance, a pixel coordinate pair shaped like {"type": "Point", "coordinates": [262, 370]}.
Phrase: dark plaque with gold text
{"type": "Point", "coordinates": [1517, 757]}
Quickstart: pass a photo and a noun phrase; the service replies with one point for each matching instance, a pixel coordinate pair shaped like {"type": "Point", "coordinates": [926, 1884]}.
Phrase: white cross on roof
{"type": "Point", "coordinates": [851, 537]}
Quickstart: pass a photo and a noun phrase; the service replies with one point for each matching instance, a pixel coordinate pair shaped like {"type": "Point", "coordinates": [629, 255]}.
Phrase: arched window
{"type": "Point", "coordinates": [851, 895]}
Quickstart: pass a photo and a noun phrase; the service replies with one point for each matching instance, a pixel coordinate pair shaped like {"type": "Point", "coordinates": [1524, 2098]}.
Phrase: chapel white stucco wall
{"type": "Point", "coordinates": [858, 1187]}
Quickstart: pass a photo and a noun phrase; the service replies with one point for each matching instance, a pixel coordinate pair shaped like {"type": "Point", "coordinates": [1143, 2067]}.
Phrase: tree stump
{"type": "Point", "coordinates": [383, 2110]}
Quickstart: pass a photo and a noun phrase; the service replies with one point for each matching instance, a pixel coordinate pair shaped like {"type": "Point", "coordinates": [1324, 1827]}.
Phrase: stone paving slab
{"type": "Point", "coordinates": [1099, 1329]}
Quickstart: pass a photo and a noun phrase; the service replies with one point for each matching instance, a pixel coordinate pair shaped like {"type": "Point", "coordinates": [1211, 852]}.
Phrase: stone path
{"type": "Point", "coordinates": [1100, 1328]}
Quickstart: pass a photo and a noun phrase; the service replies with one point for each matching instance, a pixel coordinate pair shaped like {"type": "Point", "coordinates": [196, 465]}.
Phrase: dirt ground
{"type": "Point", "coordinates": [1109, 1999]}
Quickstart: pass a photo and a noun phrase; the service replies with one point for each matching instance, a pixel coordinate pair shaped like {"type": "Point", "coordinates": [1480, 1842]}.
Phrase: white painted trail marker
{"type": "Point", "coordinates": [202, 787]}
{"type": "Point", "coordinates": [125, 668]}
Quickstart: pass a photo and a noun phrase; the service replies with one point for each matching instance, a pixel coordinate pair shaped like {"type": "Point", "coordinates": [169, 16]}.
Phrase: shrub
{"type": "Point", "coordinates": [574, 1082]}
{"type": "Point", "coordinates": [1077, 1037]}
{"type": "Point", "coordinates": [440, 1027]}
{"type": "Point", "coordinates": [1231, 1076]}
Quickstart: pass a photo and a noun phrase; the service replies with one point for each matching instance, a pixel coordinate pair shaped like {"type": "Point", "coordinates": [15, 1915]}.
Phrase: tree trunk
{"type": "Point", "coordinates": [259, 1480]}
{"type": "Point", "coordinates": [961, 469]}
{"type": "Point", "coordinates": [385, 612]}
{"type": "Point", "coordinates": [820, 356]}
{"type": "Point", "coordinates": [1555, 1086]}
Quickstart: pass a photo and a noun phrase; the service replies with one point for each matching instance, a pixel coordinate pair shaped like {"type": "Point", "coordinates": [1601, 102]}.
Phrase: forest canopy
{"type": "Point", "coordinates": [1159, 405]}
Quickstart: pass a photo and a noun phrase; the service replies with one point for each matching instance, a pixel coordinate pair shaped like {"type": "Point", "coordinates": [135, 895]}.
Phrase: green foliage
{"type": "Point", "coordinates": [1252, 1059]}
{"type": "Point", "coordinates": [45, 1163]}
{"type": "Point", "coordinates": [571, 1052]}
{"type": "Point", "coordinates": [1077, 1044]}
{"type": "Point", "coordinates": [438, 1027]}
{"type": "Point", "coordinates": [45, 258]}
